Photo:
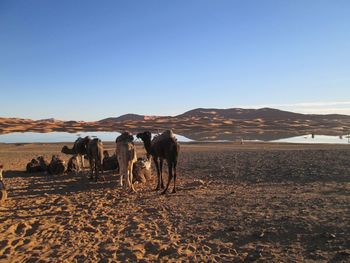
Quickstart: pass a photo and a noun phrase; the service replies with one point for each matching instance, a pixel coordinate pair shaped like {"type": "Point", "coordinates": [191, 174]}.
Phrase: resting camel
{"type": "Point", "coordinates": [164, 146]}
{"type": "Point", "coordinates": [142, 170]}
{"type": "Point", "coordinates": [37, 165]}
{"type": "Point", "coordinates": [79, 149]}
{"type": "Point", "coordinates": [56, 166]}
{"type": "Point", "coordinates": [110, 163]}
{"type": "Point", "coordinates": [126, 153]}
{"type": "Point", "coordinates": [95, 156]}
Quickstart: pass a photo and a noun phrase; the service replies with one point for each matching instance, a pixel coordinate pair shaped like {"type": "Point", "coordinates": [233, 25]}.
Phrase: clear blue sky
{"type": "Point", "coordinates": [88, 60]}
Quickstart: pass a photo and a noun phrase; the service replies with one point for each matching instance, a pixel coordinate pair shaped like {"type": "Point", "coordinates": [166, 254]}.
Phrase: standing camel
{"type": "Point", "coordinates": [95, 156]}
{"type": "Point", "coordinates": [164, 146]}
{"type": "Point", "coordinates": [126, 153]}
{"type": "Point", "coordinates": [79, 149]}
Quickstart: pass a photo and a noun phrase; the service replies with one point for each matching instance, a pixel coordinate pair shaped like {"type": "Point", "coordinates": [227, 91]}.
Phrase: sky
{"type": "Point", "coordinates": [88, 60]}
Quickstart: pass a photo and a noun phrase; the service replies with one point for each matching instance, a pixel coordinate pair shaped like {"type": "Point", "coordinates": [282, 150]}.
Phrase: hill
{"type": "Point", "coordinates": [201, 124]}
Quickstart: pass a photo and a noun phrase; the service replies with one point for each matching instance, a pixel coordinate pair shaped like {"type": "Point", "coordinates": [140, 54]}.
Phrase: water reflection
{"type": "Point", "coordinates": [314, 138]}
{"type": "Point", "coordinates": [34, 137]}
{"type": "Point", "coordinates": [51, 137]}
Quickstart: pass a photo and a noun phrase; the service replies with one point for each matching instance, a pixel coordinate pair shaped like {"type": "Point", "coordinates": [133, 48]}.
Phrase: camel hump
{"type": "Point", "coordinates": [96, 140]}
{"type": "Point", "coordinates": [168, 134]}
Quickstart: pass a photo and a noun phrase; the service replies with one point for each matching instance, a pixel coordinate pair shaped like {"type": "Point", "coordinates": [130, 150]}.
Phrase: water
{"type": "Point", "coordinates": [317, 139]}
{"type": "Point", "coordinates": [32, 137]}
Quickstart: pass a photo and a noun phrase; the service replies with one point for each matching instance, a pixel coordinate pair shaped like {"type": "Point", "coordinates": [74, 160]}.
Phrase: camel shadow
{"type": "Point", "coordinates": [21, 174]}
{"type": "Point", "coordinates": [44, 184]}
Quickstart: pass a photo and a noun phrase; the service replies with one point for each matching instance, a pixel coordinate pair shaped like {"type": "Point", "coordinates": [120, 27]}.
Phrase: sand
{"type": "Point", "coordinates": [251, 202]}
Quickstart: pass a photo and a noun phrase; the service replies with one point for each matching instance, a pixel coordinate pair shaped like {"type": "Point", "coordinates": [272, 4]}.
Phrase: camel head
{"type": "Point", "coordinates": [144, 136]}
{"type": "Point", "coordinates": [64, 149]}
{"type": "Point", "coordinates": [125, 136]}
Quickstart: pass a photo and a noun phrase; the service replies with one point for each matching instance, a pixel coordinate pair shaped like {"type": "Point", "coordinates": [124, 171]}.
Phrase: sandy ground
{"type": "Point", "coordinates": [251, 202]}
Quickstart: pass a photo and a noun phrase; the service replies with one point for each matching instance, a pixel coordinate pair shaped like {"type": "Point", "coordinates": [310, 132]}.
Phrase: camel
{"type": "Point", "coordinates": [56, 166]}
{"type": "Point", "coordinates": [142, 170]}
{"type": "Point", "coordinates": [79, 149]}
{"type": "Point", "coordinates": [164, 146]}
{"type": "Point", "coordinates": [95, 156]}
{"type": "Point", "coordinates": [110, 163]}
{"type": "Point", "coordinates": [126, 153]}
{"type": "Point", "coordinates": [73, 165]}
{"type": "Point", "coordinates": [37, 165]}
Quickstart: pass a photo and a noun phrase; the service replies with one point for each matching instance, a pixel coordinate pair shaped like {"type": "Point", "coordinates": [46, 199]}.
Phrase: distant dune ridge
{"type": "Point", "coordinates": [201, 124]}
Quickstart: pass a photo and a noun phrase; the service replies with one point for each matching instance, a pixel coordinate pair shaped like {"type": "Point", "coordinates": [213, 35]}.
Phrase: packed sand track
{"type": "Point", "coordinates": [252, 202]}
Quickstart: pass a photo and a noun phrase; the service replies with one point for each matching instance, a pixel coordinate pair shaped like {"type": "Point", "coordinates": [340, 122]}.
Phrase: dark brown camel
{"type": "Point", "coordinates": [56, 166]}
{"type": "Point", "coordinates": [37, 165]}
{"type": "Point", "coordinates": [110, 163]}
{"type": "Point", "coordinates": [95, 156]}
{"type": "Point", "coordinates": [79, 149]}
{"type": "Point", "coordinates": [164, 146]}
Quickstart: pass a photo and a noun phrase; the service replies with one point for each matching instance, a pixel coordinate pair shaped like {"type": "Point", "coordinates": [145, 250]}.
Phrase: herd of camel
{"type": "Point", "coordinates": [160, 148]}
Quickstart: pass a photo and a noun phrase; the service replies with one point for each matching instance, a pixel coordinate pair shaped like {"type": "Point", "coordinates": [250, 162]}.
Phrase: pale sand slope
{"type": "Point", "coordinates": [271, 203]}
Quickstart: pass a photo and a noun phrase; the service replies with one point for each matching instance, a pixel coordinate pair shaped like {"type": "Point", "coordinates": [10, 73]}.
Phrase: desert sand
{"type": "Point", "coordinates": [252, 202]}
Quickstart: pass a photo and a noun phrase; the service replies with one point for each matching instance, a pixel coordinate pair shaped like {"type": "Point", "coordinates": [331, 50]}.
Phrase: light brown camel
{"type": "Point", "coordinates": [79, 149]}
{"type": "Point", "coordinates": [126, 153]}
{"type": "Point", "coordinates": [95, 156]}
{"type": "Point", "coordinates": [142, 170]}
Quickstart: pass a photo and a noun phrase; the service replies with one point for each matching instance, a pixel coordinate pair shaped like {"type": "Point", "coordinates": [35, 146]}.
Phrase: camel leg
{"type": "Point", "coordinates": [101, 171]}
{"type": "Point", "coordinates": [121, 179]}
{"type": "Point", "coordinates": [170, 169]}
{"type": "Point", "coordinates": [161, 174]}
{"type": "Point", "coordinates": [91, 168]}
{"type": "Point", "coordinates": [82, 161]}
{"type": "Point", "coordinates": [130, 178]}
{"type": "Point", "coordinates": [97, 170]}
{"type": "Point", "coordinates": [121, 172]}
{"type": "Point", "coordinates": [78, 162]}
{"type": "Point", "coordinates": [158, 173]}
{"type": "Point", "coordinates": [174, 190]}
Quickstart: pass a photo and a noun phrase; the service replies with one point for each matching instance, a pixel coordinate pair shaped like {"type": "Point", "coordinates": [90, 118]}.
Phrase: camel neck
{"type": "Point", "coordinates": [147, 145]}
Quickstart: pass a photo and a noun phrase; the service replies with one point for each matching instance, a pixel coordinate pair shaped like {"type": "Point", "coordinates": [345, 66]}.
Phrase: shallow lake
{"type": "Point", "coordinates": [32, 137]}
{"type": "Point", "coordinates": [316, 139]}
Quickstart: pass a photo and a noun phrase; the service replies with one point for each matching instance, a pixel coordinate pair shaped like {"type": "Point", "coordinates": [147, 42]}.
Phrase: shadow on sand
{"type": "Point", "coordinates": [40, 184]}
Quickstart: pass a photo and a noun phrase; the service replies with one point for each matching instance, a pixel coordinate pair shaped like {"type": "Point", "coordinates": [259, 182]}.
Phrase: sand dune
{"type": "Point", "coordinates": [263, 124]}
